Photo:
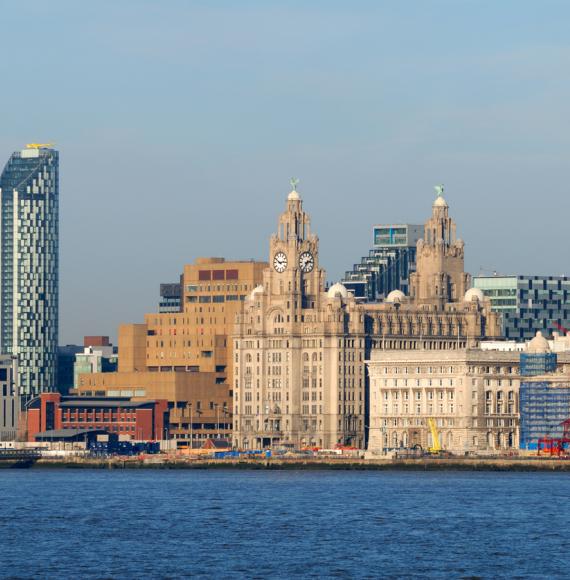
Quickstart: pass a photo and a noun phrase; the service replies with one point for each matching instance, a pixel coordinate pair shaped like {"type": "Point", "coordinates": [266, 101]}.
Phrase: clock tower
{"type": "Point", "coordinates": [298, 350]}
{"type": "Point", "coordinates": [294, 258]}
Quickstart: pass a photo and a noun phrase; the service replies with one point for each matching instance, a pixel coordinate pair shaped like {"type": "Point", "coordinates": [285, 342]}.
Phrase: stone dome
{"type": "Point", "coordinates": [538, 345]}
{"type": "Point", "coordinates": [337, 290]}
{"type": "Point", "coordinates": [256, 290]}
{"type": "Point", "coordinates": [293, 196]}
{"type": "Point", "coordinates": [440, 202]}
{"type": "Point", "coordinates": [395, 296]}
{"type": "Point", "coordinates": [474, 294]}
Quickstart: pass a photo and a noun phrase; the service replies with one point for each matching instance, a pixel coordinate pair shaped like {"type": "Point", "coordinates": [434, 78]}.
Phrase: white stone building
{"type": "Point", "coordinates": [471, 393]}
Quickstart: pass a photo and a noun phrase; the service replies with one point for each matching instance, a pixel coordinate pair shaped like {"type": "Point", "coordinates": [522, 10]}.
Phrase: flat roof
{"type": "Point", "coordinates": [86, 402]}
{"type": "Point", "coordinates": [68, 433]}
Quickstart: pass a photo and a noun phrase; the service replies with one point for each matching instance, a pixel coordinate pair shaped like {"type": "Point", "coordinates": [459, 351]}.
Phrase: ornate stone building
{"type": "Point", "coordinates": [299, 350]}
{"type": "Point", "coordinates": [440, 313]}
{"type": "Point", "coordinates": [472, 395]}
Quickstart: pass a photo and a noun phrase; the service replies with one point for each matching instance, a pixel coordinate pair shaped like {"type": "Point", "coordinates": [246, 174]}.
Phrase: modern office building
{"type": "Point", "coordinates": [9, 398]}
{"type": "Point", "coordinates": [29, 242]}
{"type": "Point", "coordinates": [98, 356]}
{"type": "Point", "coordinates": [388, 264]}
{"type": "Point", "coordinates": [528, 304]}
{"type": "Point", "coordinates": [170, 298]}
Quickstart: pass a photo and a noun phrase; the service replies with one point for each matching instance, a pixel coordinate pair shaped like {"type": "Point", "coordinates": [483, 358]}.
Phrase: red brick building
{"type": "Point", "coordinates": [140, 420]}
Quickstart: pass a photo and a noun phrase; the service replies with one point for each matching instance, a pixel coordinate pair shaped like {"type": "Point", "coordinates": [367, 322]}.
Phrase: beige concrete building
{"type": "Point", "coordinates": [471, 393]}
{"type": "Point", "coordinates": [185, 357]}
{"type": "Point", "coordinates": [197, 339]}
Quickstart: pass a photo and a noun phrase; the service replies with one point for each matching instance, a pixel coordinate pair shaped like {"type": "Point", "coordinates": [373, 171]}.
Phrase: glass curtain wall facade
{"type": "Point", "coordinates": [388, 264]}
{"type": "Point", "coordinates": [29, 266]}
{"type": "Point", "coordinates": [528, 303]}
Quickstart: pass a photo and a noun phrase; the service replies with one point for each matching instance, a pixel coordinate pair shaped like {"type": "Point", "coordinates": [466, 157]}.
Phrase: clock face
{"type": "Point", "coordinates": [280, 262]}
{"type": "Point", "coordinates": [306, 262]}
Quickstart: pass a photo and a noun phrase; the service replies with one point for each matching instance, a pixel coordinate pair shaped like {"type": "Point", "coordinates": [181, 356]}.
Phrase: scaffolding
{"type": "Point", "coordinates": [537, 364]}
{"type": "Point", "coordinates": [544, 409]}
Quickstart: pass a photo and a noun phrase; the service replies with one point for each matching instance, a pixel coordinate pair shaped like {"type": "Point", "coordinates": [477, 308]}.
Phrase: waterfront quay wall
{"type": "Point", "coordinates": [420, 464]}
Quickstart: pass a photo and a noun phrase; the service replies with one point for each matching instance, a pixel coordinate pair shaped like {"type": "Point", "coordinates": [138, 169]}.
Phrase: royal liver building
{"type": "Point", "coordinates": [300, 352]}
{"type": "Point", "coordinates": [298, 367]}
{"type": "Point", "coordinates": [29, 265]}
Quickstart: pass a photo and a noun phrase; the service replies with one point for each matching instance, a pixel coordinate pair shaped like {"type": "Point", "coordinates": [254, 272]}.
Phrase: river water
{"type": "Point", "coordinates": [282, 524]}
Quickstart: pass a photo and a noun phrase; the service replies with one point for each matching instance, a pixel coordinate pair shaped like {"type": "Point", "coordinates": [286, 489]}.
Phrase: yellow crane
{"type": "Point", "coordinates": [436, 445]}
{"type": "Point", "coordinates": [39, 145]}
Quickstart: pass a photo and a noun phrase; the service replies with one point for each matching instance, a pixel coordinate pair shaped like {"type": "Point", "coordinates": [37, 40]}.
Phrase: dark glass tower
{"type": "Point", "coordinates": [388, 264]}
{"type": "Point", "coordinates": [29, 268]}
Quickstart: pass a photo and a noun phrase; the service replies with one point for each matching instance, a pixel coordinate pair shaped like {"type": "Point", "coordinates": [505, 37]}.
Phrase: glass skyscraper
{"type": "Point", "coordinates": [29, 266]}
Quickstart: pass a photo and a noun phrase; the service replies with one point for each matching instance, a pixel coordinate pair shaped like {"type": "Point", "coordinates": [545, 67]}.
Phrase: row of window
{"type": "Point", "coordinates": [487, 369]}
{"type": "Point", "coordinates": [216, 299]}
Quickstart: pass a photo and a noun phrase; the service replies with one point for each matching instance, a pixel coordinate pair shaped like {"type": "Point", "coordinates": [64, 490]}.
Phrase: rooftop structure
{"type": "Point", "coordinates": [170, 298]}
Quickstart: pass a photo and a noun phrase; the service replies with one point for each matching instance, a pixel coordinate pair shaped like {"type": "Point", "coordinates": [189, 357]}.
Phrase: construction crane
{"type": "Point", "coordinates": [39, 145]}
{"type": "Point", "coordinates": [436, 445]}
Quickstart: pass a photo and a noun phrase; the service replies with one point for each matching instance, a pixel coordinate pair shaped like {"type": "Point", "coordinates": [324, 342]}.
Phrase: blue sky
{"type": "Point", "coordinates": [180, 123]}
